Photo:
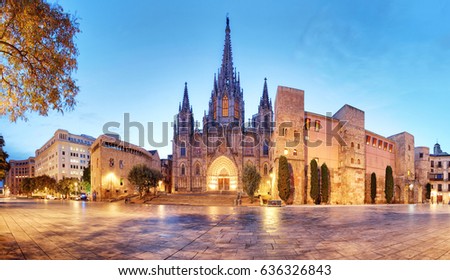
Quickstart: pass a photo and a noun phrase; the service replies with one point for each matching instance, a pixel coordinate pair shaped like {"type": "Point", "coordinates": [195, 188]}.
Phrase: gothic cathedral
{"type": "Point", "coordinates": [212, 158]}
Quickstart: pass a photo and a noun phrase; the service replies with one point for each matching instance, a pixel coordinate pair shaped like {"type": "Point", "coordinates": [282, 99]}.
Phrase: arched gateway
{"type": "Point", "coordinates": [222, 175]}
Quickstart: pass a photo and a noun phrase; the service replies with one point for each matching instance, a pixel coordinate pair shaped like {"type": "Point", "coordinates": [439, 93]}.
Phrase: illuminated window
{"type": "Point", "coordinates": [380, 144]}
{"type": "Point", "coordinates": [367, 140]}
{"type": "Point", "coordinates": [390, 148]}
{"type": "Point", "coordinates": [374, 142]}
{"type": "Point", "coordinates": [225, 106]}
{"type": "Point", "coordinates": [295, 152]}
{"type": "Point", "coordinates": [385, 146]}
{"type": "Point", "coordinates": [307, 123]}
{"type": "Point", "coordinates": [286, 151]}
{"type": "Point", "coordinates": [317, 126]}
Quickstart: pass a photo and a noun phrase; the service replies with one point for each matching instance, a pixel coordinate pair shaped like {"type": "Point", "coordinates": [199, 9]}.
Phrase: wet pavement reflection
{"type": "Point", "coordinates": [43, 229]}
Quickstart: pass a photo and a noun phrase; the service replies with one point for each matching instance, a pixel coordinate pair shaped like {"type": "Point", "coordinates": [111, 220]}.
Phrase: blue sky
{"type": "Point", "coordinates": [389, 58]}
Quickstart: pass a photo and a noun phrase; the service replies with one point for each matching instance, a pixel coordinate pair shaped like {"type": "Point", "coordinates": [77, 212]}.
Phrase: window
{"type": "Point", "coordinates": [295, 152]}
{"type": "Point", "coordinates": [380, 144]}
{"type": "Point", "coordinates": [439, 164]}
{"type": "Point", "coordinates": [409, 147]}
{"type": "Point", "coordinates": [236, 109]}
{"type": "Point", "coordinates": [367, 140]}
{"type": "Point", "coordinates": [183, 149]}
{"type": "Point", "coordinates": [283, 131]}
{"type": "Point", "coordinates": [266, 169]}
{"type": "Point", "coordinates": [307, 123]}
{"type": "Point", "coordinates": [286, 151]}
{"type": "Point", "coordinates": [197, 169]}
{"type": "Point", "coordinates": [359, 161]}
{"type": "Point", "coordinates": [121, 181]}
{"type": "Point", "coordinates": [352, 145]}
{"type": "Point", "coordinates": [352, 160]}
{"type": "Point", "coordinates": [317, 126]}
{"type": "Point", "coordinates": [439, 187]}
{"type": "Point", "coordinates": [111, 162]}
{"type": "Point", "coordinates": [225, 106]}
{"type": "Point", "coordinates": [420, 155]}
{"type": "Point", "coordinates": [121, 164]}
{"type": "Point", "coordinates": [359, 146]}
{"type": "Point", "coordinates": [374, 142]}
{"type": "Point", "coordinates": [390, 148]}
{"type": "Point", "coordinates": [265, 148]}
{"type": "Point", "coordinates": [63, 153]}
{"type": "Point", "coordinates": [183, 170]}
{"type": "Point", "coordinates": [432, 163]}
{"type": "Point", "coordinates": [385, 146]}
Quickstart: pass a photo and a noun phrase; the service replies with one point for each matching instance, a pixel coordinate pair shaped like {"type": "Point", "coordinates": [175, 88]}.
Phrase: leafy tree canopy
{"type": "Point", "coordinates": [251, 179]}
{"type": "Point", "coordinates": [37, 58]}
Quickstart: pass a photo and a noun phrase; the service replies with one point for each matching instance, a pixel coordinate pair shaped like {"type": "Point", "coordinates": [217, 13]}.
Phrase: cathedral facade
{"type": "Point", "coordinates": [212, 158]}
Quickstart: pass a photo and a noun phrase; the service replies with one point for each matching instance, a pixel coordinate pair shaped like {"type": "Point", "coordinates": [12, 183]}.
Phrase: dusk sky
{"type": "Point", "coordinates": [390, 59]}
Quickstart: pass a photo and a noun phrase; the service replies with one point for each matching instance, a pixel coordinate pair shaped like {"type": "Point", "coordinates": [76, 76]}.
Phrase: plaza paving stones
{"type": "Point", "coordinates": [41, 229]}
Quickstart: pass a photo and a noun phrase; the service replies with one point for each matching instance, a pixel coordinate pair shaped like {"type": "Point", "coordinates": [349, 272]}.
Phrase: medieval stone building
{"type": "Point", "coordinates": [212, 158]}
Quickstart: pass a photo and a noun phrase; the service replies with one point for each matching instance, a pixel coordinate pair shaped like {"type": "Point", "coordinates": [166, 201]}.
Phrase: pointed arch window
{"type": "Point", "coordinates": [236, 109]}
{"type": "Point", "coordinates": [265, 148]}
{"type": "Point", "coordinates": [225, 106]}
{"type": "Point", "coordinates": [197, 169]}
{"type": "Point", "coordinates": [183, 149]}
{"type": "Point", "coordinates": [266, 169]}
{"type": "Point", "coordinates": [183, 170]}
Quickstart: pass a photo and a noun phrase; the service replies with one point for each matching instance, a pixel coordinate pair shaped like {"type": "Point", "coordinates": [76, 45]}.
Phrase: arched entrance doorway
{"type": "Point", "coordinates": [222, 175]}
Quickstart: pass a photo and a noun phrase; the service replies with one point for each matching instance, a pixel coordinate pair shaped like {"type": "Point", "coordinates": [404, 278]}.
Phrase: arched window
{"type": "Point", "coordinates": [225, 106]}
{"type": "Point", "coordinates": [265, 148]}
{"type": "Point", "coordinates": [183, 170]}
{"type": "Point", "coordinates": [236, 109]}
{"type": "Point", "coordinates": [352, 145]}
{"type": "Point", "coordinates": [183, 149]}
{"type": "Point", "coordinates": [266, 169]}
{"type": "Point", "coordinates": [197, 169]}
{"type": "Point", "coordinates": [359, 161]}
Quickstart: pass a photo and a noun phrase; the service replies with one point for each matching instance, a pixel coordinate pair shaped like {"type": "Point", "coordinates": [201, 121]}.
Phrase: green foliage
{"type": "Point", "coordinates": [45, 183]}
{"type": "Point", "coordinates": [144, 178]}
{"type": "Point", "coordinates": [67, 186]}
{"type": "Point", "coordinates": [27, 186]}
{"type": "Point", "coordinates": [87, 173]}
{"type": "Point", "coordinates": [284, 180]}
{"type": "Point", "coordinates": [325, 182]}
{"type": "Point", "coordinates": [85, 187]}
{"type": "Point", "coordinates": [315, 191]}
{"type": "Point", "coordinates": [37, 58]}
{"type": "Point", "coordinates": [251, 179]}
{"type": "Point", "coordinates": [428, 191]}
{"type": "Point", "coordinates": [373, 186]}
{"type": "Point", "coordinates": [389, 185]}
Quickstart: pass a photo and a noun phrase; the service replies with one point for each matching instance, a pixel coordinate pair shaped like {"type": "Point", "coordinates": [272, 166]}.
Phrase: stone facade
{"type": "Point", "coordinates": [212, 158]}
{"type": "Point", "coordinates": [112, 160]}
{"type": "Point", "coordinates": [433, 169]}
{"type": "Point", "coordinates": [20, 169]}
{"type": "Point", "coordinates": [64, 155]}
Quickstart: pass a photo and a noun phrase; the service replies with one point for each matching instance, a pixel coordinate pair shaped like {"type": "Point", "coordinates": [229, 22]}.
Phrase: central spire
{"type": "Point", "coordinates": [226, 72]}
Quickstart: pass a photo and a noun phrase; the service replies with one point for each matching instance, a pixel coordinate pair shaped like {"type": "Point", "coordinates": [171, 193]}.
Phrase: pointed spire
{"type": "Point", "coordinates": [226, 73]}
{"type": "Point", "coordinates": [185, 107]}
{"type": "Point", "coordinates": [265, 102]}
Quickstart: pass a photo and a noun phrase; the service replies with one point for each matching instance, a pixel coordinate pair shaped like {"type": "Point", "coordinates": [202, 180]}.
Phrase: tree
{"type": "Point", "coordinates": [38, 57]}
{"type": "Point", "coordinates": [44, 183]}
{"type": "Point", "coordinates": [428, 191]}
{"type": "Point", "coordinates": [373, 186]}
{"type": "Point", "coordinates": [251, 179]}
{"type": "Point", "coordinates": [389, 184]}
{"type": "Point", "coordinates": [284, 180]}
{"type": "Point", "coordinates": [143, 178]}
{"type": "Point", "coordinates": [27, 186]}
{"type": "Point", "coordinates": [4, 166]}
{"type": "Point", "coordinates": [325, 182]}
{"type": "Point", "coordinates": [85, 183]}
{"type": "Point", "coordinates": [314, 192]}
{"type": "Point", "coordinates": [66, 186]}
